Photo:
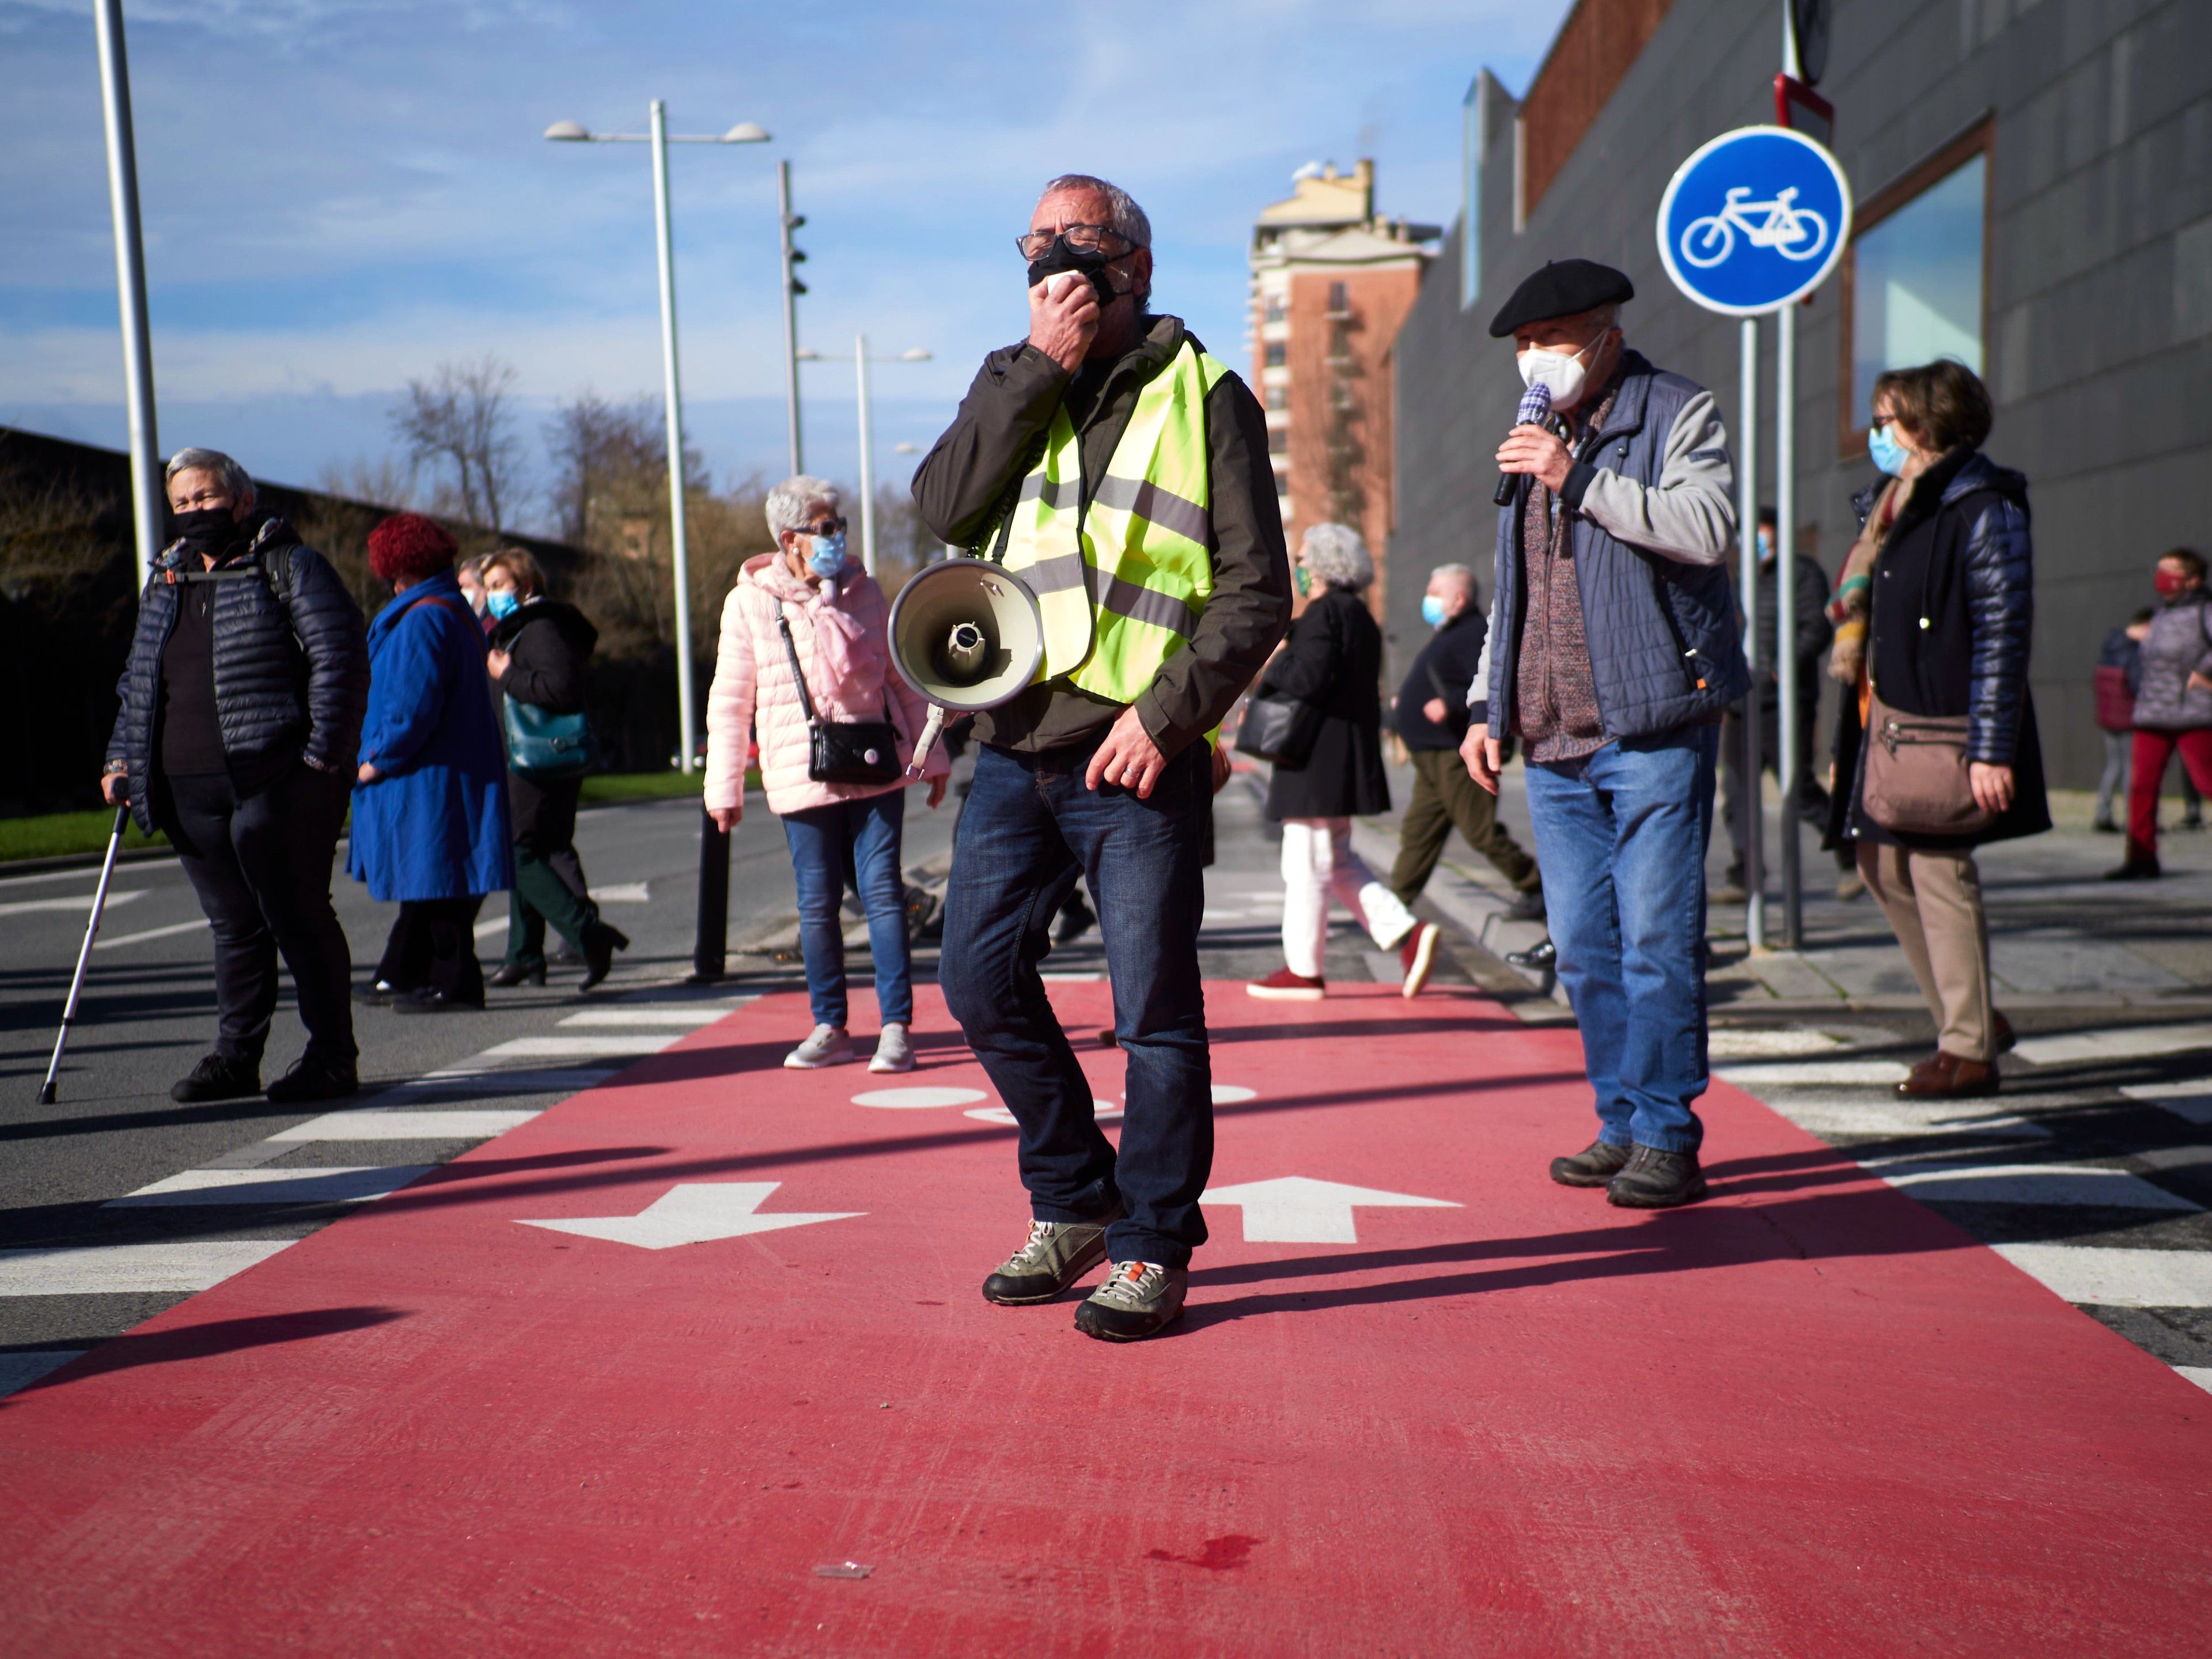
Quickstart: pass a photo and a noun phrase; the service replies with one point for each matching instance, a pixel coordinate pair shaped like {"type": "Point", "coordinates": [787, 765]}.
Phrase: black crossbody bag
{"type": "Point", "coordinates": [842, 751]}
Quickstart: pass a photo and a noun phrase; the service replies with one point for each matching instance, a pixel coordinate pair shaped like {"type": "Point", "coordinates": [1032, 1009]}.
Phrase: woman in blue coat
{"type": "Point", "coordinates": [429, 811]}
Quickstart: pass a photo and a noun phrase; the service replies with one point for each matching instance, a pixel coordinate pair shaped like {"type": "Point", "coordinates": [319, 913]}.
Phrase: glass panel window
{"type": "Point", "coordinates": [1917, 285]}
{"type": "Point", "coordinates": [1278, 397]}
{"type": "Point", "coordinates": [1278, 441]}
{"type": "Point", "coordinates": [1339, 297]}
{"type": "Point", "coordinates": [1274, 312]}
{"type": "Point", "coordinates": [1277, 353]}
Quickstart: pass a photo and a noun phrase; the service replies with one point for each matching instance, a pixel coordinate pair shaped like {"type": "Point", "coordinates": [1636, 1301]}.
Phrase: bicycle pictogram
{"type": "Point", "coordinates": [1795, 232]}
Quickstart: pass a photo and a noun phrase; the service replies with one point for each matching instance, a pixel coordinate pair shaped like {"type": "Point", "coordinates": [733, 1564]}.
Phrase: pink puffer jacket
{"type": "Point", "coordinates": [843, 650]}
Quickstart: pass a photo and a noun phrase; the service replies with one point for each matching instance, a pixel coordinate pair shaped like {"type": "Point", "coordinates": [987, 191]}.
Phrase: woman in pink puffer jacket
{"type": "Point", "coordinates": [839, 625]}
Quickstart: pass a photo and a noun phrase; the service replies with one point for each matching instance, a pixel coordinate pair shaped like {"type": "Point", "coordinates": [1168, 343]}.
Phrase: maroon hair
{"type": "Point", "coordinates": [407, 547]}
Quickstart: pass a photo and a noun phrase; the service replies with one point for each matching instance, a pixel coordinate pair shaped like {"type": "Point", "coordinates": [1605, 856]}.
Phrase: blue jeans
{"type": "Point", "coordinates": [1029, 831]}
{"type": "Point", "coordinates": [1621, 837]}
{"type": "Point", "coordinates": [855, 842]}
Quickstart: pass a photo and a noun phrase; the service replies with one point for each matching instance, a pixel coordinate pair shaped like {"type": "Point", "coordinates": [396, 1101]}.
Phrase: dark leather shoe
{"type": "Point", "coordinates": [1947, 1076]}
{"type": "Point", "coordinates": [218, 1077]}
{"type": "Point", "coordinates": [512, 973]}
{"type": "Point", "coordinates": [1593, 1166]}
{"type": "Point", "coordinates": [1540, 957]}
{"type": "Point", "coordinates": [2007, 1039]}
{"type": "Point", "coordinates": [436, 1002]}
{"type": "Point", "coordinates": [1657, 1181]}
{"type": "Point", "coordinates": [1526, 907]}
{"type": "Point", "coordinates": [600, 944]}
{"type": "Point", "coordinates": [313, 1077]}
{"type": "Point", "coordinates": [382, 991]}
{"type": "Point", "coordinates": [2134, 869]}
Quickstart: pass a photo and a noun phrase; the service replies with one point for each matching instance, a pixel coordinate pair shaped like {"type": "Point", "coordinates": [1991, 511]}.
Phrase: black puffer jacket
{"type": "Point", "coordinates": [291, 673]}
{"type": "Point", "coordinates": [549, 644]}
{"type": "Point", "coordinates": [1954, 607]}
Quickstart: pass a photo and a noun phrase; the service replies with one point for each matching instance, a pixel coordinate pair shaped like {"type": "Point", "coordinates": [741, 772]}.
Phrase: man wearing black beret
{"type": "Point", "coordinates": [1613, 651]}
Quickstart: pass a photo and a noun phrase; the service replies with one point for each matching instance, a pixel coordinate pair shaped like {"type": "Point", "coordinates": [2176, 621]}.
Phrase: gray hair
{"type": "Point", "coordinates": [787, 502]}
{"type": "Point", "coordinates": [1123, 213]}
{"type": "Point", "coordinates": [1455, 572]}
{"type": "Point", "coordinates": [1335, 553]}
{"type": "Point", "coordinates": [234, 478]}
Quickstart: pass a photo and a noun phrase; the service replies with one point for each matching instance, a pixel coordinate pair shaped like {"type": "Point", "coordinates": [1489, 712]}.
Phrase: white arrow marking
{"type": "Point", "coordinates": [693, 1214]}
{"type": "Point", "coordinates": [1298, 1210]}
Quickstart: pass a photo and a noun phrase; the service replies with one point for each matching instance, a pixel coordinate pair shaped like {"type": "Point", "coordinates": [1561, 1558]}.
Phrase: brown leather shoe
{"type": "Point", "coordinates": [1947, 1076]}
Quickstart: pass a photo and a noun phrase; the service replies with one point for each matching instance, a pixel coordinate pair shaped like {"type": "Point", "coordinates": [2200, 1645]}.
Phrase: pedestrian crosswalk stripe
{"type": "Point", "coordinates": [198, 926]}
{"type": "Point", "coordinates": [1814, 1074]}
{"type": "Point", "coordinates": [2191, 1099]}
{"type": "Point", "coordinates": [2115, 1042]}
{"type": "Point", "coordinates": [350, 1184]}
{"type": "Point", "coordinates": [1844, 1115]}
{"type": "Point", "coordinates": [2106, 1276]}
{"type": "Point", "coordinates": [387, 1123]}
{"type": "Point", "coordinates": [548, 1048]}
{"type": "Point", "coordinates": [702, 1014]}
{"type": "Point", "coordinates": [2200, 1375]}
{"type": "Point", "coordinates": [167, 1269]}
{"type": "Point", "coordinates": [2086, 1184]}
{"type": "Point", "coordinates": [1770, 1045]}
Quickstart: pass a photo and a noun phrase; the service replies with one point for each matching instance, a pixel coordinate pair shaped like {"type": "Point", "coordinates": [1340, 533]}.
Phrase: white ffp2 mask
{"type": "Point", "coordinates": [1562, 371]}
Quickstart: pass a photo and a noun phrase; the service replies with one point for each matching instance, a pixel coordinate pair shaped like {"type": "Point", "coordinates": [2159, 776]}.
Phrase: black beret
{"type": "Point", "coordinates": [1563, 288]}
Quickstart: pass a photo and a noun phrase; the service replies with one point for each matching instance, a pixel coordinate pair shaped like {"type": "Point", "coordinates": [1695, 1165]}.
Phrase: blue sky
{"type": "Point", "coordinates": [340, 193]}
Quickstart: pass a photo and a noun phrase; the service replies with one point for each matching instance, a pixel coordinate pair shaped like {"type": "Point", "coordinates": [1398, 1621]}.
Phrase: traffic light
{"type": "Point", "coordinates": [795, 256]}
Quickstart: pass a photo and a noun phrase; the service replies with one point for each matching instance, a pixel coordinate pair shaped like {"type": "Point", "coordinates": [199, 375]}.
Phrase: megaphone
{"type": "Point", "coordinates": [967, 634]}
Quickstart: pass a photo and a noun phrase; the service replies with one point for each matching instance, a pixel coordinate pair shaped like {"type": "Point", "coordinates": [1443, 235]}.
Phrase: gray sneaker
{"type": "Point", "coordinates": [1137, 1299]}
{"type": "Point", "coordinates": [1056, 1255]}
{"type": "Point", "coordinates": [893, 1052]}
{"type": "Point", "coordinates": [825, 1045]}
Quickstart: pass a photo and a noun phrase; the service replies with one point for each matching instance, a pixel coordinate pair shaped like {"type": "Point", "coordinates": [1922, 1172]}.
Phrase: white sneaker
{"type": "Point", "coordinates": [893, 1052]}
{"type": "Point", "coordinates": [826, 1045]}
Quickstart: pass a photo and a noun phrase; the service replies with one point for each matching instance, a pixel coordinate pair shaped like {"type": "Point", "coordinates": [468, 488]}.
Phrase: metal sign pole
{"type": "Point", "coordinates": [147, 505]}
{"type": "Point", "coordinates": [1785, 611]}
{"type": "Point", "coordinates": [1754, 871]}
{"type": "Point", "coordinates": [868, 466]}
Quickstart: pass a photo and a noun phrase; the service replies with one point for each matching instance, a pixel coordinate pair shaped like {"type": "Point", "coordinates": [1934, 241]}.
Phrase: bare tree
{"type": "Point", "coordinates": [608, 458]}
{"type": "Point", "coordinates": [381, 483]}
{"type": "Point", "coordinates": [461, 418]}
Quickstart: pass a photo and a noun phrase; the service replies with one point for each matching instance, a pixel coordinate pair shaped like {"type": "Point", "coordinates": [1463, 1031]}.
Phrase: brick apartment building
{"type": "Point", "coordinates": [1330, 282]}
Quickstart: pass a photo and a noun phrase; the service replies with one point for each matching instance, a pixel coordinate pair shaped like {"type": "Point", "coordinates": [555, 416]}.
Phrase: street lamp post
{"type": "Point", "coordinates": [793, 287]}
{"type": "Point", "coordinates": [659, 138]}
{"type": "Point", "coordinates": [861, 359]}
{"type": "Point", "coordinates": [147, 504]}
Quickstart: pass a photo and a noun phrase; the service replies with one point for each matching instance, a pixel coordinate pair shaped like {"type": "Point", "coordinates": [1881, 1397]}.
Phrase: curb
{"type": "Point", "coordinates": [1472, 907]}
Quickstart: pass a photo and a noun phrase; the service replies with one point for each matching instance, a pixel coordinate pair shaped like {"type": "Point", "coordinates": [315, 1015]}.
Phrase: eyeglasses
{"type": "Point", "coordinates": [823, 527]}
{"type": "Point", "coordinates": [1084, 239]}
{"type": "Point", "coordinates": [1881, 421]}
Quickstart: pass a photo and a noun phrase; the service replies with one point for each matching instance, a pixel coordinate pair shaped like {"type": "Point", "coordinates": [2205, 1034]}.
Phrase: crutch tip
{"type": "Point", "coordinates": [45, 1094]}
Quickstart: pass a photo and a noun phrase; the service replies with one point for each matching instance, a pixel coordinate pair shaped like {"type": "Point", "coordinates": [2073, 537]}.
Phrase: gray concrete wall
{"type": "Point", "coordinates": [2099, 339]}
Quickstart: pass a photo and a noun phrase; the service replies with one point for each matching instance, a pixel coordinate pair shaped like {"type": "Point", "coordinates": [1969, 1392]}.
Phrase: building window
{"type": "Point", "coordinates": [1340, 299]}
{"type": "Point", "coordinates": [1272, 312]}
{"type": "Point", "coordinates": [1278, 397]}
{"type": "Point", "coordinates": [1340, 342]}
{"type": "Point", "coordinates": [1277, 353]}
{"type": "Point", "coordinates": [1914, 279]}
{"type": "Point", "coordinates": [1278, 440]}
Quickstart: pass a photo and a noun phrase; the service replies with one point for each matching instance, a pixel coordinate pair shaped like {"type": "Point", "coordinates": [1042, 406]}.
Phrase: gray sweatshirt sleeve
{"type": "Point", "coordinates": [1478, 690]}
{"type": "Point", "coordinates": [1691, 516]}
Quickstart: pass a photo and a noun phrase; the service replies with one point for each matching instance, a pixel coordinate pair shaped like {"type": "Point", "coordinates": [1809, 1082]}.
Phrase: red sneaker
{"type": "Point", "coordinates": [1284, 986]}
{"type": "Point", "coordinates": [1417, 955]}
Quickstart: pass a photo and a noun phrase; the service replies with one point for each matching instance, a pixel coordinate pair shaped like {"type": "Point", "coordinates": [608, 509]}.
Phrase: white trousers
{"type": "Point", "coordinates": [1318, 861]}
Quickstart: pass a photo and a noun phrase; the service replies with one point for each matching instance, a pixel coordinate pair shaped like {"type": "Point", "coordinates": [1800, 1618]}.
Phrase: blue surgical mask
{"type": "Point", "coordinates": [1765, 545]}
{"type": "Point", "coordinates": [502, 602]}
{"type": "Point", "coordinates": [1884, 451]}
{"type": "Point", "coordinates": [828, 557]}
{"type": "Point", "coordinates": [1432, 611]}
{"type": "Point", "coordinates": [1304, 578]}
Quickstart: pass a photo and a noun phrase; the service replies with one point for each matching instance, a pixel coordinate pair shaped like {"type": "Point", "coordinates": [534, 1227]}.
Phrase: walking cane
{"type": "Point", "coordinates": [84, 956]}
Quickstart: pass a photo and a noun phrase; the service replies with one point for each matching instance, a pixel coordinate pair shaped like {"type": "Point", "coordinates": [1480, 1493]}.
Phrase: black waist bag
{"type": "Point", "coordinates": [842, 751]}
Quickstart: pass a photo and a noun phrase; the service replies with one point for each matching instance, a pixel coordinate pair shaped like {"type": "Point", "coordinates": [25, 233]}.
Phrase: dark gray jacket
{"type": "Point", "coordinates": [291, 664]}
{"type": "Point", "coordinates": [1652, 525]}
{"type": "Point", "coordinates": [990, 445]}
{"type": "Point", "coordinates": [2179, 644]}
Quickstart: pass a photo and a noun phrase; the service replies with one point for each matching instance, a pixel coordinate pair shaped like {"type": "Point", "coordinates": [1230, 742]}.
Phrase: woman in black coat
{"type": "Point", "coordinates": [539, 650]}
{"type": "Point", "coordinates": [1332, 659]}
{"type": "Point", "coordinates": [1951, 608]}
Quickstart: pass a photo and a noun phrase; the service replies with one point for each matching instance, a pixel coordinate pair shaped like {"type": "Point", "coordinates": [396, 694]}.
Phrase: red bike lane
{"type": "Point", "coordinates": [1455, 1409]}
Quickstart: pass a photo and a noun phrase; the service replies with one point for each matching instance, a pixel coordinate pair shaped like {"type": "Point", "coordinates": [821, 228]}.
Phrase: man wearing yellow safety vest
{"type": "Point", "coordinates": [1123, 472]}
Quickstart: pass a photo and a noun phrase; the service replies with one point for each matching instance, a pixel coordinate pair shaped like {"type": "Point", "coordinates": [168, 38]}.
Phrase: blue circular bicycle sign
{"type": "Point", "coordinates": [1755, 220]}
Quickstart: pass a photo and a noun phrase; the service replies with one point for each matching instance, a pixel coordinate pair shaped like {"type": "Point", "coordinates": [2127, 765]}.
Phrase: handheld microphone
{"type": "Point", "coordinates": [1536, 409]}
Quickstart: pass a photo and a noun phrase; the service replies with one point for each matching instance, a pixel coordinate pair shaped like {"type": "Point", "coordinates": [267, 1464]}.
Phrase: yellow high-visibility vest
{"type": "Point", "coordinates": [1122, 582]}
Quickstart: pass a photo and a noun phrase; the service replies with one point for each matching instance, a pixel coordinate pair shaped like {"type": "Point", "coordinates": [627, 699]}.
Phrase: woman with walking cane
{"type": "Point", "coordinates": [242, 700]}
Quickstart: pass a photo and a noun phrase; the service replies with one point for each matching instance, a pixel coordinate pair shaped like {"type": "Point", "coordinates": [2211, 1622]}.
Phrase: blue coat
{"type": "Point", "coordinates": [435, 826]}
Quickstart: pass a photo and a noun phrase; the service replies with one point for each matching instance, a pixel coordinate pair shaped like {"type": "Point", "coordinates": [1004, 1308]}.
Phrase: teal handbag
{"type": "Point", "coordinates": [545, 747]}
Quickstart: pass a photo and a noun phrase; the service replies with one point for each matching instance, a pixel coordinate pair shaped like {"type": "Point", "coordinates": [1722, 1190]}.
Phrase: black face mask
{"type": "Point", "coordinates": [1092, 264]}
{"type": "Point", "coordinates": [207, 530]}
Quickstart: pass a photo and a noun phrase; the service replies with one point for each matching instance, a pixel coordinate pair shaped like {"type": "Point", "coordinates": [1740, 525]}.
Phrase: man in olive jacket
{"type": "Point", "coordinates": [1071, 782]}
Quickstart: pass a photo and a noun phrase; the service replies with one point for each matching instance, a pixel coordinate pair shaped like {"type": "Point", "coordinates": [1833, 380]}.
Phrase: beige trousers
{"type": "Point", "coordinates": [1934, 903]}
